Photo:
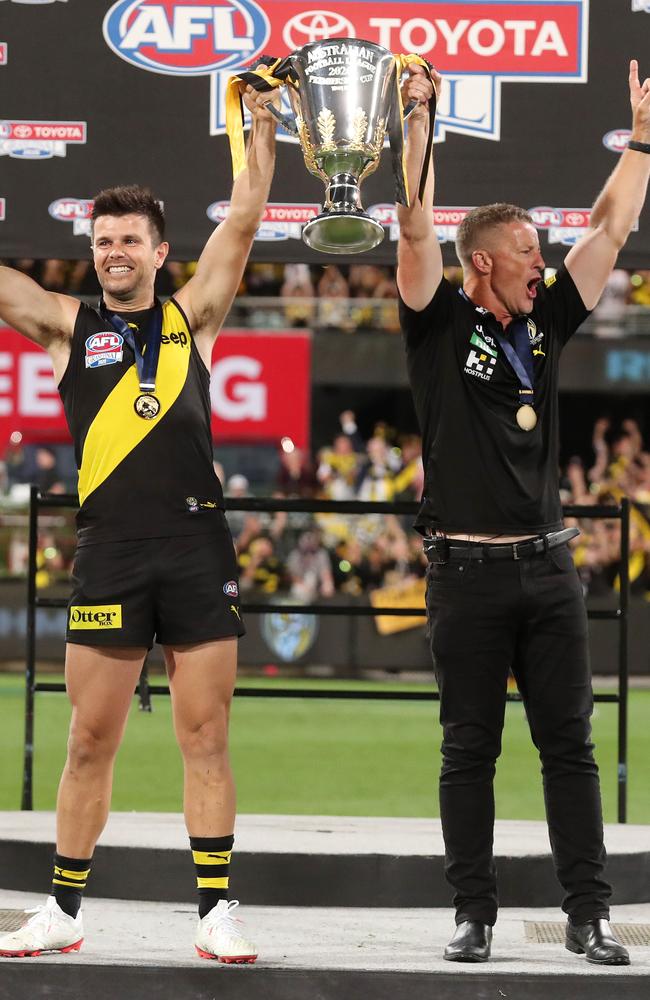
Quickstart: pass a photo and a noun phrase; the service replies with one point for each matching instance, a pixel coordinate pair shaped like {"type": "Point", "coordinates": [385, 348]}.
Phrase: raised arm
{"type": "Point", "coordinates": [207, 297]}
{"type": "Point", "coordinates": [47, 318]}
{"type": "Point", "coordinates": [419, 259]}
{"type": "Point", "coordinates": [619, 204]}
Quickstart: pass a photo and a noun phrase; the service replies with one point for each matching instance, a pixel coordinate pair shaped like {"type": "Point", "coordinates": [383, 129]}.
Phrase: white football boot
{"type": "Point", "coordinates": [218, 935]}
{"type": "Point", "coordinates": [49, 929]}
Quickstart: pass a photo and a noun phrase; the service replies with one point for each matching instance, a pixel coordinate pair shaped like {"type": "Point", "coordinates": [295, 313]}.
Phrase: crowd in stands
{"type": "Point", "coordinates": [331, 297]}
{"type": "Point", "coordinates": [621, 468]}
{"type": "Point", "coordinates": [310, 556]}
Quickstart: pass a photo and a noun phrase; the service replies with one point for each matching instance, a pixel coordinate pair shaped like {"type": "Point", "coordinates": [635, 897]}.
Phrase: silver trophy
{"type": "Point", "coordinates": [343, 93]}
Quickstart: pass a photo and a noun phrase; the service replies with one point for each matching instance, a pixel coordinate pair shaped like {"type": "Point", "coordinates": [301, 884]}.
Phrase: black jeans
{"type": "Point", "coordinates": [487, 617]}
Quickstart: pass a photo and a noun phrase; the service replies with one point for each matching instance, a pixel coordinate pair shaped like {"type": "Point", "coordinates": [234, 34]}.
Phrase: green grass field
{"type": "Point", "coordinates": [324, 757]}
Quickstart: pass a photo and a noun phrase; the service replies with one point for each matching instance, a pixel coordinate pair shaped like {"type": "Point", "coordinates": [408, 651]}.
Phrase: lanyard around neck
{"type": "Point", "coordinates": [146, 359]}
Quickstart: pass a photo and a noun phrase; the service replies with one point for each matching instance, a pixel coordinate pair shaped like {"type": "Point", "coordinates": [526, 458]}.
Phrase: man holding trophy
{"type": "Point", "coordinates": [155, 557]}
{"type": "Point", "coordinates": [503, 593]}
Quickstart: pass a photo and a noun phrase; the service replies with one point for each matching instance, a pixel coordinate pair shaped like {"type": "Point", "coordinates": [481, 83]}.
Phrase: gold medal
{"type": "Point", "coordinates": [526, 417]}
{"type": "Point", "coordinates": [148, 406]}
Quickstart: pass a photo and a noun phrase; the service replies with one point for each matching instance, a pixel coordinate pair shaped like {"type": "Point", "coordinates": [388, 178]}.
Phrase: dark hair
{"type": "Point", "coordinates": [131, 199]}
{"type": "Point", "coordinates": [473, 227]}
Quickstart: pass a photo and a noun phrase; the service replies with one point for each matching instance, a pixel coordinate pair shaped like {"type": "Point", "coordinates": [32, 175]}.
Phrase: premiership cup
{"type": "Point", "coordinates": [343, 93]}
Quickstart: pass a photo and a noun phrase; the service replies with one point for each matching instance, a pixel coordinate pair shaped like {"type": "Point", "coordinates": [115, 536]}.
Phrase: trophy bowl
{"type": "Point", "coordinates": [342, 91]}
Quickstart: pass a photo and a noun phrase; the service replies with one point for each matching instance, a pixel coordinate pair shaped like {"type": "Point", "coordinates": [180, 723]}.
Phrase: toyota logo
{"type": "Point", "coordinates": [314, 25]}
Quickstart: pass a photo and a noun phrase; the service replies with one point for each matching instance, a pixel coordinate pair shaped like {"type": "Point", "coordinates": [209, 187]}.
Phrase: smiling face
{"type": "Point", "coordinates": [509, 267]}
{"type": "Point", "coordinates": [126, 258]}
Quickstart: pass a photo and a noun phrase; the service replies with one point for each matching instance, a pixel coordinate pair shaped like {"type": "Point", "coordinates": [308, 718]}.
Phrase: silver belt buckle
{"type": "Point", "coordinates": [515, 554]}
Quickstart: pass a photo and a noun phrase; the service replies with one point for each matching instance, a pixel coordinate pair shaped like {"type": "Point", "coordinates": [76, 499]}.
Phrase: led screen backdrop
{"type": "Point", "coordinates": [534, 110]}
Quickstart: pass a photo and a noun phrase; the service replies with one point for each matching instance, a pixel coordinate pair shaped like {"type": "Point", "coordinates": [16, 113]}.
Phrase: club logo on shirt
{"type": "Point", "coordinates": [104, 348]}
{"type": "Point", "coordinates": [535, 337]}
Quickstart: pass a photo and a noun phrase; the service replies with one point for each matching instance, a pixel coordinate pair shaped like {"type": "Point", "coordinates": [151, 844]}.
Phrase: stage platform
{"type": "Point", "coordinates": [136, 950]}
{"type": "Point", "coordinates": [313, 860]}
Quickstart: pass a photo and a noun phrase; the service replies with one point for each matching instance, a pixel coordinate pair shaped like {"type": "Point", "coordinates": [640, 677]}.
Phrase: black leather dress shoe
{"type": "Point", "coordinates": [596, 941]}
{"type": "Point", "coordinates": [470, 943]}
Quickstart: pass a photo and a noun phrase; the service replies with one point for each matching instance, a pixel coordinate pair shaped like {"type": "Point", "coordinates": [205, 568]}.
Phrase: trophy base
{"type": "Point", "coordinates": [343, 232]}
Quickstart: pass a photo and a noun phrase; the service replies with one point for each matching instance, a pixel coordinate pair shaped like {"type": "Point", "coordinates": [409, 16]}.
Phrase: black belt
{"type": "Point", "coordinates": [442, 550]}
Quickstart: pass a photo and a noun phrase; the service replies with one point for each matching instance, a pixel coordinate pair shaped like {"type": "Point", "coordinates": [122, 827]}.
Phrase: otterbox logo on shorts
{"type": "Point", "coordinates": [96, 616]}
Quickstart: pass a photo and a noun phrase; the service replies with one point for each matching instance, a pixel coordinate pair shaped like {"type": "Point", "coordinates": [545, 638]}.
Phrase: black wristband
{"type": "Point", "coordinates": [640, 147]}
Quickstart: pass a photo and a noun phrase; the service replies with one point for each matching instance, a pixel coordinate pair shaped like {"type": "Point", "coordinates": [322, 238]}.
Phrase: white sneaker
{"type": "Point", "coordinates": [218, 935]}
{"type": "Point", "coordinates": [50, 929]}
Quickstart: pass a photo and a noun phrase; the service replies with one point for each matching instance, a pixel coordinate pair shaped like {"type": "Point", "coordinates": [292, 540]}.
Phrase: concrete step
{"type": "Point", "coordinates": [312, 860]}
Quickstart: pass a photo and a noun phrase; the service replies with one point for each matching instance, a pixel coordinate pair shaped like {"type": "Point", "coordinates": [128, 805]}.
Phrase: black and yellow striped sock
{"type": "Point", "coordinates": [212, 861]}
{"type": "Point", "coordinates": [69, 881]}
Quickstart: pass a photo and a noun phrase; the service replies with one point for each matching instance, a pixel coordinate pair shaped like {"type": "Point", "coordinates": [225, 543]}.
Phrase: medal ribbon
{"type": "Point", "coordinates": [517, 351]}
{"type": "Point", "coordinates": [146, 360]}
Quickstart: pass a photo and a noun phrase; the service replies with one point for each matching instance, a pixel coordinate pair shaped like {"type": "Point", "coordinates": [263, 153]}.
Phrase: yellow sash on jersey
{"type": "Point", "coordinates": [117, 429]}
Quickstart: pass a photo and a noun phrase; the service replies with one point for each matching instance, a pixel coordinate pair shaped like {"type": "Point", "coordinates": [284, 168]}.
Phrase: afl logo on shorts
{"type": "Point", "coordinates": [231, 589]}
{"type": "Point", "coordinates": [104, 348]}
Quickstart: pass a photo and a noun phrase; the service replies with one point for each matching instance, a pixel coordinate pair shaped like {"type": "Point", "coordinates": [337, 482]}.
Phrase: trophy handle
{"type": "Point", "coordinates": [285, 120]}
{"type": "Point", "coordinates": [411, 106]}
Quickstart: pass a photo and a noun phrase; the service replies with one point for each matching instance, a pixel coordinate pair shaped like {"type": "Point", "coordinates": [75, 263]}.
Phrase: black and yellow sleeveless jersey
{"type": "Point", "coordinates": [140, 478]}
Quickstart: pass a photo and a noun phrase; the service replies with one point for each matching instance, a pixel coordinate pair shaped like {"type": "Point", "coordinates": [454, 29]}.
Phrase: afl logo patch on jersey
{"type": "Point", "coordinates": [231, 589]}
{"type": "Point", "coordinates": [104, 348]}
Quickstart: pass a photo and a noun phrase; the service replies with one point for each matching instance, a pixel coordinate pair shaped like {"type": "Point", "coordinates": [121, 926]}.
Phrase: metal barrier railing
{"type": "Point", "coordinates": [263, 504]}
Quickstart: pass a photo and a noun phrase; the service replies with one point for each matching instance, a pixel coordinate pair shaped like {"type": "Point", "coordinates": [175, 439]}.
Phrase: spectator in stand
{"type": "Point", "coordinates": [54, 275]}
{"type": "Point", "coordinates": [263, 279]}
{"type": "Point", "coordinates": [47, 476]}
{"type": "Point", "coordinates": [609, 315]}
{"type": "Point", "coordinates": [296, 476]}
{"type": "Point", "coordinates": [640, 294]}
{"type": "Point", "coordinates": [236, 486]}
{"type": "Point", "coordinates": [408, 484]}
{"type": "Point", "coordinates": [376, 476]}
{"type": "Point", "coordinates": [338, 464]}
{"type": "Point", "coordinates": [310, 569]}
{"type": "Point", "coordinates": [298, 285]}
{"type": "Point", "coordinates": [333, 308]}
{"type": "Point", "coordinates": [260, 568]}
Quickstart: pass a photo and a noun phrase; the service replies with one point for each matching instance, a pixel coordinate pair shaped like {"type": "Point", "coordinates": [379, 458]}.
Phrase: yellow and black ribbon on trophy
{"type": "Point", "coordinates": [269, 74]}
{"type": "Point", "coordinates": [272, 72]}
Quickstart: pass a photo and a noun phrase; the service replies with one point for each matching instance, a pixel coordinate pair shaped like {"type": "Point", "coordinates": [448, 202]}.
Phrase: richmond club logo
{"type": "Point", "coordinates": [186, 38]}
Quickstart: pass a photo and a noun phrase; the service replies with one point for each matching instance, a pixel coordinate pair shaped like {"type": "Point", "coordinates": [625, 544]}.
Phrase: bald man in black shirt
{"type": "Point", "coordinates": [503, 593]}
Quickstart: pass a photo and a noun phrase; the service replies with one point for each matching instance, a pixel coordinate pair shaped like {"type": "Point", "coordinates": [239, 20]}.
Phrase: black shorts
{"type": "Point", "coordinates": [178, 590]}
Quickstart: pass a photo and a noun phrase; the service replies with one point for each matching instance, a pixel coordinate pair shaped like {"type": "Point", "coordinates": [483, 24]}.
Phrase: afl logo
{"type": "Point", "coordinates": [105, 341]}
{"type": "Point", "coordinates": [231, 589]}
{"type": "Point", "coordinates": [616, 140]}
{"type": "Point", "coordinates": [69, 209]}
{"type": "Point", "coordinates": [184, 38]}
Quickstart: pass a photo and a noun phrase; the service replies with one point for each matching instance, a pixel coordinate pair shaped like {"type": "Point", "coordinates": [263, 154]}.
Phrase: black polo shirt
{"type": "Point", "coordinates": [483, 474]}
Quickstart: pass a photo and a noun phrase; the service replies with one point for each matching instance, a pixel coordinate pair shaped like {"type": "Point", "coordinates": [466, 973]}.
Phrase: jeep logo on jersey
{"type": "Point", "coordinates": [186, 38]}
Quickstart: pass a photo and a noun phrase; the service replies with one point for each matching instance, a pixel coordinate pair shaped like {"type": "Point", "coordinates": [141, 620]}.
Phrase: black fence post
{"type": "Point", "coordinates": [624, 578]}
{"type": "Point", "coordinates": [27, 800]}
